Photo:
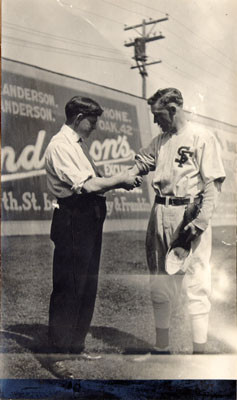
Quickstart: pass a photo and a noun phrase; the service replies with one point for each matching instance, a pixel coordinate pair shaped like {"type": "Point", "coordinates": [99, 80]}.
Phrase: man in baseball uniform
{"type": "Point", "coordinates": [188, 172]}
{"type": "Point", "coordinates": [74, 180]}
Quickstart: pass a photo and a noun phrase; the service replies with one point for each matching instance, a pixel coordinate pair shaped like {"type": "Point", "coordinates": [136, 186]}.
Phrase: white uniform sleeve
{"type": "Point", "coordinates": [146, 158]}
{"type": "Point", "coordinates": [210, 196]}
{"type": "Point", "coordinates": [210, 162]}
{"type": "Point", "coordinates": [65, 168]}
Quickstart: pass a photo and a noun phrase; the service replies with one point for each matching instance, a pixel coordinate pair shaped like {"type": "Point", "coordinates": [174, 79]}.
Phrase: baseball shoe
{"type": "Point", "coordinates": [142, 358]}
{"type": "Point", "coordinates": [89, 357]}
{"type": "Point", "coordinates": [154, 351]}
{"type": "Point", "coordinates": [199, 348]}
{"type": "Point", "coordinates": [158, 350]}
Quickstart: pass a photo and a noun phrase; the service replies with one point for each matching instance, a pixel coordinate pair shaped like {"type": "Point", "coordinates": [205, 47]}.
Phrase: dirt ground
{"type": "Point", "coordinates": [123, 325]}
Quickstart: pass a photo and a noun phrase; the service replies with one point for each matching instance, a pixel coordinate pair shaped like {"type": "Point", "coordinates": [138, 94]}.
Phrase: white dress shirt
{"type": "Point", "coordinates": [66, 164]}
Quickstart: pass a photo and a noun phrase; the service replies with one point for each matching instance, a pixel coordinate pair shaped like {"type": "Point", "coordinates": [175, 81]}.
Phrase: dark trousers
{"type": "Point", "coordinates": [77, 234]}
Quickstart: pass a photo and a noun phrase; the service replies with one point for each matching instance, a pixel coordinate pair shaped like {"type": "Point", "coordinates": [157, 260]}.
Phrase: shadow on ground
{"type": "Point", "coordinates": [33, 338]}
{"type": "Point", "coordinates": [26, 338]}
{"type": "Point", "coordinates": [125, 342]}
{"type": "Point", "coordinates": [21, 338]}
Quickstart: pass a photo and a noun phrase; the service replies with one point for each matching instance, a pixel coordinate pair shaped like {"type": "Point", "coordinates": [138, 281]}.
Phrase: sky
{"type": "Point", "coordinates": [85, 39]}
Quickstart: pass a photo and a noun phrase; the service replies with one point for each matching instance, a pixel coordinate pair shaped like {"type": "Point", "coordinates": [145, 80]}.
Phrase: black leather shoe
{"type": "Point", "coordinates": [60, 370]}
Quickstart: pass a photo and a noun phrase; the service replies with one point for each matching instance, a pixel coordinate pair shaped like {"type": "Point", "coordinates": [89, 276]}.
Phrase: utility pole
{"type": "Point", "coordinates": [139, 44]}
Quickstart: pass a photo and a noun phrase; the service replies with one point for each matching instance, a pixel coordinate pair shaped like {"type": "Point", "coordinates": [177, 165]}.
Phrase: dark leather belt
{"type": "Point", "coordinates": [177, 201]}
{"type": "Point", "coordinates": [81, 200]}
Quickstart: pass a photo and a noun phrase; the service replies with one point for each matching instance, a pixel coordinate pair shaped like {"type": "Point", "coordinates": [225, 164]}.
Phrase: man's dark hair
{"type": "Point", "coordinates": [81, 105]}
{"type": "Point", "coordinates": [169, 95]}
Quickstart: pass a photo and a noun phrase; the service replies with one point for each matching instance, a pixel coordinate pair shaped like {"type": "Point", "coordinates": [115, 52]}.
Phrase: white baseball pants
{"type": "Point", "coordinates": [166, 289]}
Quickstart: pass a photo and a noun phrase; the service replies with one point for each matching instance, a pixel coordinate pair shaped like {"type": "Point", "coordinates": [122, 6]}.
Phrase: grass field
{"type": "Point", "coordinates": [122, 325]}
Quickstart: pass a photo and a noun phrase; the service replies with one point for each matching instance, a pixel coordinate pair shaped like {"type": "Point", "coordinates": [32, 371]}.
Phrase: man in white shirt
{"type": "Point", "coordinates": [188, 172]}
{"type": "Point", "coordinates": [77, 224]}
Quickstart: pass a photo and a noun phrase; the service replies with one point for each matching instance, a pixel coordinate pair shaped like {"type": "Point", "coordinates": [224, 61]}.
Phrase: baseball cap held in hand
{"type": "Point", "coordinates": [180, 249]}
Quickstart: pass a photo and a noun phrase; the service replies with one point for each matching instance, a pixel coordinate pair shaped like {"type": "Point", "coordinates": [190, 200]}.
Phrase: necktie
{"type": "Point", "coordinates": [87, 154]}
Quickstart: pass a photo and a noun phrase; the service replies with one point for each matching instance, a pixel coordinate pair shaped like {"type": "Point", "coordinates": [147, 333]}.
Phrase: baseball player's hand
{"type": "Point", "coordinates": [193, 232]}
{"type": "Point", "coordinates": [133, 170]}
{"type": "Point", "coordinates": [131, 181]}
{"type": "Point", "coordinates": [180, 252]}
{"type": "Point", "coordinates": [138, 180]}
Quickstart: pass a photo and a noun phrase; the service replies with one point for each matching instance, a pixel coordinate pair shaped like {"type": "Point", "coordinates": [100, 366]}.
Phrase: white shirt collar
{"type": "Point", "coordinates": [71, 135]}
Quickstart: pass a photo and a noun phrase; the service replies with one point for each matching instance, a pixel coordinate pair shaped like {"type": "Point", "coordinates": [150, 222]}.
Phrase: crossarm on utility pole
{"type": "Point", "coordinates": [147, 39]}
{"type": "Point", "coordinates": [155, 62]}
{"type": "Point", "coordinates": [146, 23]}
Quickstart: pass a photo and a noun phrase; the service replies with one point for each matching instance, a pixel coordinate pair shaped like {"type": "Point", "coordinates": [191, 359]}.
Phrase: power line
{"type": "Point", "coordinates": [194, 79]}
{"type": "Point", "coordinates": [36, 31]}
{"type": "Point", "coordinates": [123, 8]}
{"type": "Point", "coordinates": [106, 1]}
{"type": "Point", "coordinates": [172, 84]}
{"type": "Point", "coordinates": [151, 8]}
{"type": "Point", "coordinates": [177, 21]}
{"type": "Point", "coordinates": [180, 23]}
{"type": "Point", "coordinates": [202, 51]}
{"type": "Point", "coordinates": [168, 30]}
{"type": "Point", "coordinates": [185, 26]}
{"type": "Point", "coordinates": [66, 51]}
{"type": "Point", "coordinates": [196, 65]}
{"type": "Point", "coordinates": [210, 44]}
{"type": "Point", "coordinates": [199, 49]}
{"type": "Point", "coordinates": [62, 38]}
{"type": "Point", "coordinates": [185, 60]}
{"type": "Point", "coordinates": [57, 37]}
{"type": "Point", "coordinates": [91, 12]}
{"type": "Point", "coordinates": [183, 73]}
{"type": "Point", "coordinates": [27, 43]}
{"type": "Point", "coordinates": [99, 58]}
{"type": "Point", "coordinates": [162, 78]}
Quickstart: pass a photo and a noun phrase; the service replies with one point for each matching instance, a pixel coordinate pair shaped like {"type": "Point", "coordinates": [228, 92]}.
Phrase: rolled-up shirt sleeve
{"type": "Point", "coordinates": [146, 158]}
{"type": "Point", "coordinates": [66, 169]}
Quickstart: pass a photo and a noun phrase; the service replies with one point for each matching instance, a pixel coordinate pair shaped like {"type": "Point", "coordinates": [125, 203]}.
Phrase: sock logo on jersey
{"type": "Point", "coordinates": [183, 152]}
